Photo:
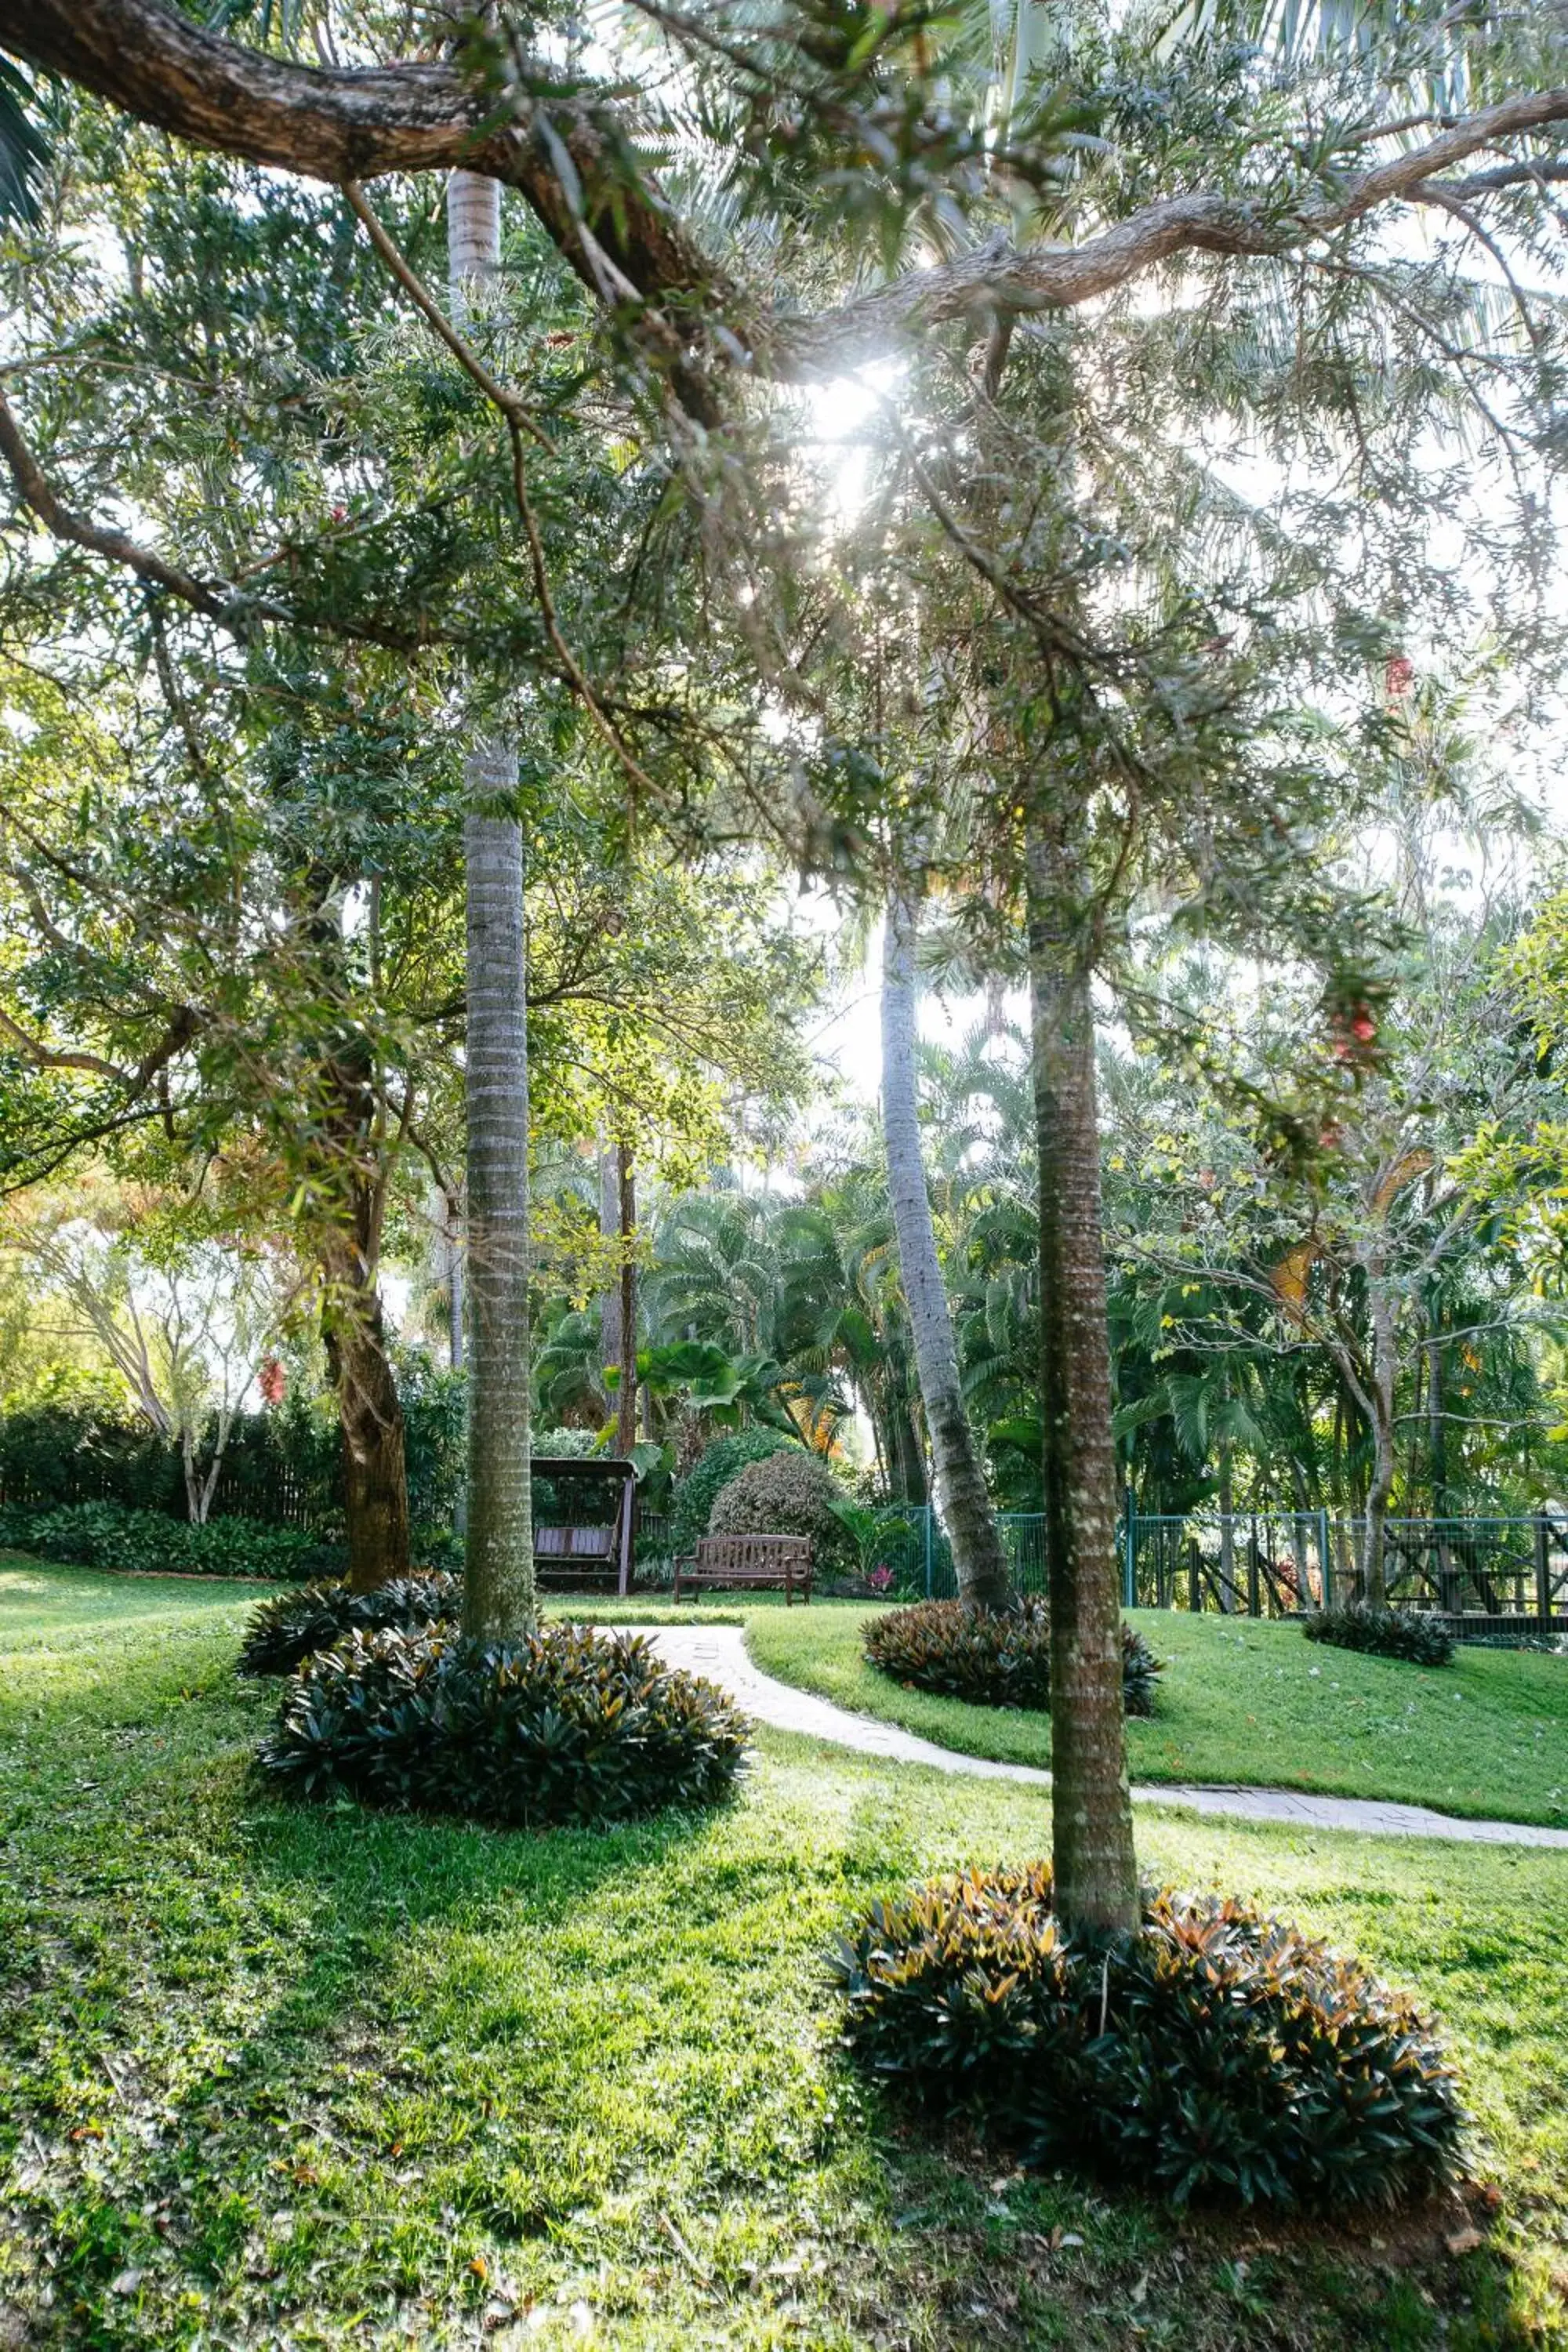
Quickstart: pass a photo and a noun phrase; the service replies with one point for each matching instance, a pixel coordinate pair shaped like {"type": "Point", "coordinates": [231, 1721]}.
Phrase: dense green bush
{"type": "Point", "coordinates": [1405, 1633]}
{"type": "Point", "coordinates": [290, 1626]}
{"type": "Point", "coordinates": [81, 1445]}
{"type": "Point", "coordinates": [108, 1536]}
{"type": "Point", "coordinates": [569, 1725]}
{"type": "Point", "coordinates": [696, 1493]}
{"type": "Point", "coordinates": [942, 1646]}
{"type": "Point", "coordinates": [1214, 2054]}
{"type": "Point", "coordinates": [789, 1494]}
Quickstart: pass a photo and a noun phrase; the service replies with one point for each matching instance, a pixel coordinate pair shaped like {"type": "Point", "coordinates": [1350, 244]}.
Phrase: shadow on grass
{"type": "Point", "coordinates": [333, 2069]}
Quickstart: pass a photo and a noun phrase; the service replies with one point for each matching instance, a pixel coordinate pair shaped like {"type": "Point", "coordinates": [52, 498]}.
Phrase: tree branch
{"type": "Point", "coordinates": [231, 608]}
{"type": "Point", "coordinates": [570, 162]}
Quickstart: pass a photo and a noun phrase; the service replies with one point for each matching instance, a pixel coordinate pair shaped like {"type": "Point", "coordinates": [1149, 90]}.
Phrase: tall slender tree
{"type": "Point", "coordinates": [1091, 1809]}
{"type": "Point", "coordinates": [983, 1581]}
{"type": "Point", "coordinates": [499, 1591]}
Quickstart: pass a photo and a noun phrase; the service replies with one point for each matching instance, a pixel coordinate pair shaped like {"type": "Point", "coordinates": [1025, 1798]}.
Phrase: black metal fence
{"type": "Point", "coordinates": [1500, 1578]}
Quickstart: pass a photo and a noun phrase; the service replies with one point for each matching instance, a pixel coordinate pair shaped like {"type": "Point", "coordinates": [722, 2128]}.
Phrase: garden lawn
{"type": "Point", "coordinates": [1256, 1702]}
{"type": "Point", "coordinates": [310, 2078]}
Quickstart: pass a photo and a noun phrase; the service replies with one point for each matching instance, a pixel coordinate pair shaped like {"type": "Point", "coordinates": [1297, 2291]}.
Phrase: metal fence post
{"type": "Point", "coordinates": [1543, 1575]}
{"type": "Point", "coordinates": [1129, 1551]}
{"type": "Point", "coordinates": [930, 1514]}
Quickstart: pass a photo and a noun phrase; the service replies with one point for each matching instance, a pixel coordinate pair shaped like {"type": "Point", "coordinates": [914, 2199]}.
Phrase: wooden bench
{"type": "Point", "coordinates": [580, 1558]}
{"type": "Point", "coordinates": [586, 1519]}
{"type": "Point", "coordinates": [757, 1560]}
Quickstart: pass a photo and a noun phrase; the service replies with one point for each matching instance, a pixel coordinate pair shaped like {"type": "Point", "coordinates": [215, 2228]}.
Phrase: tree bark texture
{"type": "Point", "coordinates": [609, 1233]}
{"type": "Point", "coordinates": [370, 1416]}
{"type": "Point", "coordinates": [626, 1226]}
{"type": "Point", "coordinates": [499, 1600]}
{"type": "Point", "coordinates": [983, 1581]}
{"type": "Point", "coordinates": [1380, 1396]}
{"type": "Point", "coordinates": [1091, 1811]}
{"type": "Point", "coordinates": [347, 1243]}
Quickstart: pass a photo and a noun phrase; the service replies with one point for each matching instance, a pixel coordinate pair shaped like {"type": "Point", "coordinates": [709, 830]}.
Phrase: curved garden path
{"type": "Point", "coordinates": [719, 1652]}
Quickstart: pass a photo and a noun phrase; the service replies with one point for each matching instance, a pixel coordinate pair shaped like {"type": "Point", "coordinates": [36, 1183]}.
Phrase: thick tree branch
{"type": "Point", "coordinates": [570, 161]}
{"type": "Point", "coordinates": [50, 1057]}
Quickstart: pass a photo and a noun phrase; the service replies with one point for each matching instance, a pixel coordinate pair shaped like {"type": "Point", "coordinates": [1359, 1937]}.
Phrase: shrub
{"type": "Point", "coordinates": [696, 1493]}
{"type": "Point", "coordinates": [1384, 1633]}
{"type": "Point", "coordinates": [569, 1725]}
{"type": "Point", "coordinates": [1215, 2053]}
{"type": "Point", "coordinates": [790, 1494]}
{"type": "Point", "coordinates": [108, 1536]}
{"type": "Point", "coordinates": [78, 1444]}
{"type": "Point", "coordinates": [941, 1645]}
{"type": "Point", "coordinates": [290, 1626]}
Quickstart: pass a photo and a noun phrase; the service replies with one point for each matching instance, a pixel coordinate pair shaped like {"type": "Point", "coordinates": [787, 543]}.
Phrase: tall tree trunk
{"type": "Point", "coordinates": [1379, 1400]}
{"type": "Point", "coordinates": [610, 1233]}
{"type": "Point", "coordinates": [452, 1274]}
{"type": "Point", "coordinates": [1091, 1811]}
{"type": "Point", "coordinates": [370, 1413]}
{"type": "Point", "coordinates": [906, 1455]}
{"type": "Point", "coordinates": [980, 1564]}
{"type": "Point", "coordinates": [453, 1265]}
{"type": "Point", "coordinates": [499, 1591]}
{"type": "Point", "coordinates": [1436, 1420]}
{"type": "Point", "coordinates": [627, 1225]}
{"type": "Point", "coordinates": [1226, 1531]}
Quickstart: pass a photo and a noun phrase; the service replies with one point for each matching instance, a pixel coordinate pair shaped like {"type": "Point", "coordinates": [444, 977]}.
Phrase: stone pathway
{"type": "Point", "coordinates": [719, 1652]}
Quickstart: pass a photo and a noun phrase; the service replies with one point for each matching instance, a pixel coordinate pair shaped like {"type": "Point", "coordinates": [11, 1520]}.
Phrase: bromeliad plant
{"type": "Point", "coordinates": [291, 1626]}
{"type": "Point", "coordinates": [941, 1646]}
{"type": "Point", "coordinates": [1421, 1640]}
{"type": "Point", "coordinates": [1215, 2053]}
{"type": "Point", "coordinates": [566, 1724]}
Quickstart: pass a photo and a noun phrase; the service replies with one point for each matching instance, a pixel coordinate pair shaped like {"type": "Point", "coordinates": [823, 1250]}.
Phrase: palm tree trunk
{"type": "Point", "coordinates": [1380, 1397]}
{"type": "Point", "coordinates": [499, 1591]}
{"type": "Point", "coordinates": [979, 1560]}
{"type": "Point", "coordinates": [609, 1233]}
{"type": "Point", "coordinates": [1226, 1531]}
{"type": "Point", "coordinates": [626, 1222]}
{"type": "Point", "coordinates": [1091, 1813]}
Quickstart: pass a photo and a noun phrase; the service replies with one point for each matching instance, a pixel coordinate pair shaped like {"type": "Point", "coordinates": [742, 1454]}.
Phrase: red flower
{"type": "Point", "coordinates": [273, 1381]}
{"type": "Point", "coordinates": [1398, 677]}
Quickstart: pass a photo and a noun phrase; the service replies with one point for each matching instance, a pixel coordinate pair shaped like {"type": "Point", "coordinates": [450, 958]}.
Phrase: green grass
{"type": "Point", "coordinates": [275, 2076]}
{"type": "Point", "coordinates": [1257, 1703]}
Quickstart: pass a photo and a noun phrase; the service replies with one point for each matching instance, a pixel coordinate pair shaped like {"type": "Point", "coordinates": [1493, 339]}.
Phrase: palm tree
{"type": "Point", "coordinates": [498, 1592]}
{"type": "Point", "coordinates": [983, 1581]}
